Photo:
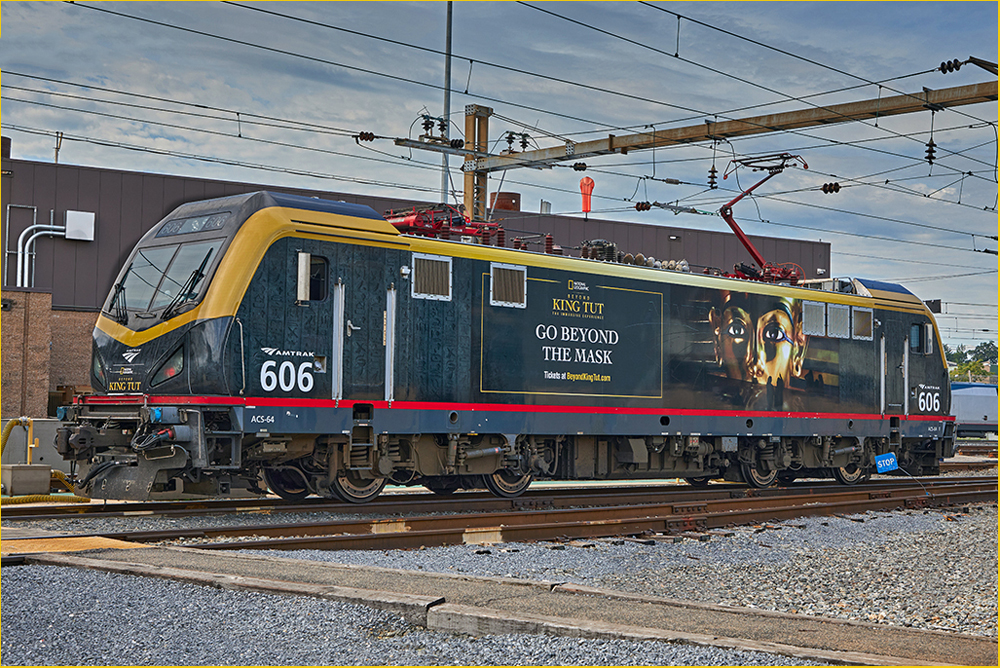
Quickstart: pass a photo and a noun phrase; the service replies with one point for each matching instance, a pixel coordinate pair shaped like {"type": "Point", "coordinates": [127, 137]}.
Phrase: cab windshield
{"type": "Point", "coordinates": [163, 277]}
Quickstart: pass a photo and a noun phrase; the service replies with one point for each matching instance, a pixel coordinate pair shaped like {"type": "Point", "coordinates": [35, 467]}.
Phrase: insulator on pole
{"type": "Point", "coordinates": [950, 66]}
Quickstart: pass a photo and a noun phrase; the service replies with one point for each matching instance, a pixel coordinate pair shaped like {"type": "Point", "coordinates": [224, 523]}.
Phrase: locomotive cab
{"type": "Point", "coordinates": [167, 326]}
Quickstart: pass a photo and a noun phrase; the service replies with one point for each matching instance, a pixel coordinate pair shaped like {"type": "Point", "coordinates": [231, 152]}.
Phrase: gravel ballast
{"type": "Point", "coordinates": [928, 569]}
{"type": "Point", "coordinates": [64, 616]}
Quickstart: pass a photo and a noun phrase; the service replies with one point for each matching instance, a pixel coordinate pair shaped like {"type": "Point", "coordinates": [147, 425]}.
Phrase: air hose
{"type": "Point", "coordinates": [57, 475]}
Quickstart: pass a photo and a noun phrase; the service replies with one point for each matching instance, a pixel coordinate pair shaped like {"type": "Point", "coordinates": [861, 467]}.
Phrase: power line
{"type": "Point", "coordinates": [223, 161]}
{"type": "Point", "coordinates": [407, 161]}
{"type": "Point", "coordinates": [921, 279]}
{"type": "Point", "coordinates": [507, 68]}
{"type": "Point", "coordinates": [695, 63]}
{"type": "Point", "coordinates": [419, 165]}
{"type": "Point", "coordinates": [246, 117]}
{"type": "Point", "coordinates": [789, 225]}
{"type": "Point", "coordinates": [897, 259]}
{"type": "Point", "coordinates": [236, 117]}
{"type": "Point", "coordinates": [374, 72]}
{"type": "Point", "coordinates": [777, 198]}
{"type": "Point", "coordinates": [243, 114]}
{"type": "Point", "coordinates": [299, 55]}
{"type": "Point", "coordinates": [324, 61]}
{"type": "Point", "coordinates": [784, 52]}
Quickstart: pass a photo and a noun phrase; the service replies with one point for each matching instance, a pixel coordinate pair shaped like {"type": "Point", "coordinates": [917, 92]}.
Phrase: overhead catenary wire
{"type": "Point", "coordinates": [534, 185]}
{"type": "Point", "coordinates": [225, 161]}
{"type": "Point", "coordinates": [314, 127]}
{"type": "Point", "coordinates": [943, 277]}
{"type": "Point", "coordinates": [306, 125]}
{"type": "Point", "coordinates": [785, 52]}
{"type": "Point", "coordinates": [266, 48]}
{"type": "Point", "coordinates": [189, 128]}
{"type": "Point", "coordinates": [366, 70]}
{"type": "Point", "coordinates": [676, 56]}
{"type": "Point", "coordinates": [901, 260]}
{"type": "Point", "coordinates": [354, 68]}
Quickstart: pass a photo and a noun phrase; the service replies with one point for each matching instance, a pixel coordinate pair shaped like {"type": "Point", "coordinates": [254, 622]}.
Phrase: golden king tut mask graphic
{"type": "Point", "coordinates": [735, 335]}
{"type": "Point", "coordinates": [780, 345]}
{"type": "Point", "coordinates": [759, 340]}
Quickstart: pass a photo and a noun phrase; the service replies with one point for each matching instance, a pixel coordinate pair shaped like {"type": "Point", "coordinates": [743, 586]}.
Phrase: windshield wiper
{"type": "Point", "coordinates": [118, 300]}
{"type": "Point", "coordinates": [187, 291]}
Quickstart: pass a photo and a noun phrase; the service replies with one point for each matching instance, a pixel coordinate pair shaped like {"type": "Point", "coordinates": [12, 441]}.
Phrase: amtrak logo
{"type": "Point", "coordinates": [278, 352]}
{"type": "Point", "coordinates": [130, 355]}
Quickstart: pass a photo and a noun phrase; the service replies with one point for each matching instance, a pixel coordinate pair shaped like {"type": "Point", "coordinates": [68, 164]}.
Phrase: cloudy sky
{"type": "Point", "coordinates": [273, 93]}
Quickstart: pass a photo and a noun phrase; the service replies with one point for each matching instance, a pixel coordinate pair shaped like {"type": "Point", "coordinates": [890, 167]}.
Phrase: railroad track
{"type": "Point", "coordinates": [694, 514]}
{"type": "Point", "coordinates": [978, 448]}
{"type": "Point", "coordinates": [409, 502]}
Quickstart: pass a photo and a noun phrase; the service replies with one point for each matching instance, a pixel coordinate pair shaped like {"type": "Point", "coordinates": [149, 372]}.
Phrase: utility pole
{"type": "Point", "coordinates": [477, 138]}
{"type": "Point", "coordinates": [447, 106]}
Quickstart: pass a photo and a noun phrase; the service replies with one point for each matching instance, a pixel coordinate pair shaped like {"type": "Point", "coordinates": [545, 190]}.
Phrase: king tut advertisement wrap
{"type": "Point", "coordinates": [574, 336]}
{"type": "Point", "coordinates": [677, 346]}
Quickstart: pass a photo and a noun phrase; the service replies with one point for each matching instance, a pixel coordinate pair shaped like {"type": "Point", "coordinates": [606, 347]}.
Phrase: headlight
{"type": "Point", "coordinates": [169, 369]}
{"type": "Point", "coordinates": [97, 369]}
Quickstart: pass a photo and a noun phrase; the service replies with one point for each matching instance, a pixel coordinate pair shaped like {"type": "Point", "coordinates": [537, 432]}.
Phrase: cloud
{"type": "Point", "coordinates": [848, 44]}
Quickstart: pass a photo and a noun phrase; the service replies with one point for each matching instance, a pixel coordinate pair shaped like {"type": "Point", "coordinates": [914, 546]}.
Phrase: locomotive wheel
{"type": "Point", "coordinates": [355, 489]}
{"type": "Point", "coordinates": [286, 484]}
{"type": "Point", "coordinates": [787, 477]}
{"type": "Point", "coordinates": [443, 485]}
{"type": "Point", "coordinates": [851, 474]}
{"type": "Point", "coordinates": [506, 483]}
{"type": "Point", "coordinates": [698, 481]}
{"type": "Point", "coordinates": [755, 477]}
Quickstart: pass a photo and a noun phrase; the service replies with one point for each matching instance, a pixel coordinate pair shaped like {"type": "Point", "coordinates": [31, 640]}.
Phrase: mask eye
{"type": "Point", "coordinates": [736, 329]}
{"type": "Point", "coordinates": [774, 333]}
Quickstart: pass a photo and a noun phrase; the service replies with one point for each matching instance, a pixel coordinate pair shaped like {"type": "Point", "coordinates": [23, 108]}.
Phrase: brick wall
{"type": "Point", "coordinates": [72, 334]}
{"type": "Point", "coordinates": [25, 345]}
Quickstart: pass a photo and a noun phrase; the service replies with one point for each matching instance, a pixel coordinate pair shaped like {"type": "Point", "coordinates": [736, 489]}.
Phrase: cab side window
{"type": "Point", "coordinates": [922, 338]}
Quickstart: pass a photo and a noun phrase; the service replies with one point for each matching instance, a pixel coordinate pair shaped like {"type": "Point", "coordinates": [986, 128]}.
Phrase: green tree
{"type": "Point", "coordinates": [985, 352]}
{"type": "Point", "coordinates": [956, 356]}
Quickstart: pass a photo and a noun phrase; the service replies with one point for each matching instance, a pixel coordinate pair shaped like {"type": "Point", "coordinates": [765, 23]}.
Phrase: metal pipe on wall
{"type": "Point", "coordinates": [29, 235]}
{"type": "Point", "coordinates": [6, 233]}
{"type": "Point", "coordinates": [29, 266]}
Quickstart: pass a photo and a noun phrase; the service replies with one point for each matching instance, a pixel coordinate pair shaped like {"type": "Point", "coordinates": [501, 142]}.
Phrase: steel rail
{"type": "Point", "coordinates": [741, 507]}
{"type": "Point", "coordinates": [604, 522]}
{"type": "Point", "coordinates": [579, 494]}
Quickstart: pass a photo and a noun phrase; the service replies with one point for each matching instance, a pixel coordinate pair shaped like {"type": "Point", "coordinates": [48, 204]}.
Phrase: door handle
{"type": "Point", "coordinates": [350, 328]}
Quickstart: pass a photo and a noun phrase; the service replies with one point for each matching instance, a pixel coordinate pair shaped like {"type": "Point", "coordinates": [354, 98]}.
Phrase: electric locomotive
{"type": "Point", "coordinates": [307, 346]}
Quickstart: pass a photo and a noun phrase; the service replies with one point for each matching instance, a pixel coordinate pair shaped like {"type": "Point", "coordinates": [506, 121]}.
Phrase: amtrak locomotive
{"type": "Point", "coordinates": [310, 347]}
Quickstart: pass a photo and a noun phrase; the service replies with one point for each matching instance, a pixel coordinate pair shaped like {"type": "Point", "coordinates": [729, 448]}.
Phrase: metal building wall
{"type": "Point", "coordinates": [80, 274]}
